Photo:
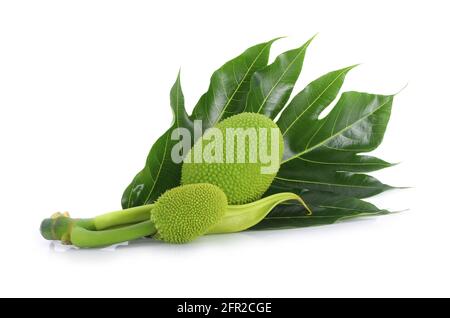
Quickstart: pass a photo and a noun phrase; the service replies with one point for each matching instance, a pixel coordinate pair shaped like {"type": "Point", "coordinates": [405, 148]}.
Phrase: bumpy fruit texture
{"type": "Point", "coordinates": [183, 213]}
{"type": "Point", "coordinates": [241, 182]}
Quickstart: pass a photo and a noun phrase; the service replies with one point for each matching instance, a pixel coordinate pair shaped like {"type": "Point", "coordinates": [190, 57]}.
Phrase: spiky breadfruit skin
{"type": "Point", "coordinates": [183, 213]}
{"type": "Point", "coordinates": [241, 182]}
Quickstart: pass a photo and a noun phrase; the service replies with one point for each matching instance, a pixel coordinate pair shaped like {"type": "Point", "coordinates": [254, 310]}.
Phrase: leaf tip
{"type": "Point", "coordinates": [277, 38]}
{"type": "Point", "coordinates": [398, 211]}
{"type": "Point", "coordinates": [392, 164]}
{"type": "Point", "coordinates": [353, 66]}
{"type": "Point", "coordinates": [312, 38]}
{"type": "Point", "coordinates": [404, 188]}
{"type": "Point", "coordinates": [401, 89]}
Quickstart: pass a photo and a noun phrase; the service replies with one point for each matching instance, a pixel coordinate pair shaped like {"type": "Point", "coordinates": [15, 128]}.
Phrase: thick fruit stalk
{"type": "Point", "coordinates": [59, 226]}
{"type": "Point", "coordinates": [82, 237]}
{"type": "Point", "coordinates": [242, 217]}
{"type": "Point", "coordinates": [103, 230]}
{"type": "Point", "coordinates": [135, 223]}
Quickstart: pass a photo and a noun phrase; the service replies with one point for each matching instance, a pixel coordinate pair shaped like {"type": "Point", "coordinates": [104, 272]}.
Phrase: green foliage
{"type": "Point", "coordinates": [324, 159]}
{"type": "Point", "coordinates": [160, 172]}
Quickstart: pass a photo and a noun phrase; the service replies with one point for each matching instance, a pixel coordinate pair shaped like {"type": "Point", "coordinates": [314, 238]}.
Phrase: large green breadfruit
{"type": "Point", "coordinates": [242, 181]}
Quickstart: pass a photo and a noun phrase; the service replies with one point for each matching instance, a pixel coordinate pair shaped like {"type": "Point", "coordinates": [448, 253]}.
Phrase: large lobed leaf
{"type": "Point", "coordinates": [323, 159]}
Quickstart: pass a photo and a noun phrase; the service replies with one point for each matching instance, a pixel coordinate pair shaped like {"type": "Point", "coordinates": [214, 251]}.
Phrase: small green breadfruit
{"type": "Point", "coordinates": [243, 181]}
{"type": "Point", "coordinates": [178, 216]}
{"type": "Point", "coordinates": [183, 213]}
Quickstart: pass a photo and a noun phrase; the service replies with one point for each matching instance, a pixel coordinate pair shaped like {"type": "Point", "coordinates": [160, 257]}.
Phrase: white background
{"type": "Point", "coordinates": [84, 92]}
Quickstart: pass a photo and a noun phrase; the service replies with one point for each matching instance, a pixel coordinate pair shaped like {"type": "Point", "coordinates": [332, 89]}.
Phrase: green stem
{"type": "Point", "coordinates": [241, 217]}
{"type": "Point", "coordinates": [122, 217]}
{"type": "Point", "coordinates": [82, 237]}
{"type": "Point", "coordinates": [59, 226]}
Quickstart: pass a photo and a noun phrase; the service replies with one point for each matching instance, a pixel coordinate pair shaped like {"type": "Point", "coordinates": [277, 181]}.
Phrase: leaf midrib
{"type": "Point", "coordinates": [282, 75]}
{"type": "Point", "coordinates": [326, 216]}
{"type": "Point", "coordinates": [336, 134]}
{"type": "Point", "coordinates": [177, 119]}
{"type": "Point", "coordinates": [345, 163]}
{"type": "Point", "coordinates": [159, 170]}
{"type": "Point", "coordinates": [240, 83]}
{"type": "Point", "coordinates": [326, 183]}
{"type": "Point", "coordinates": [315, 100]}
